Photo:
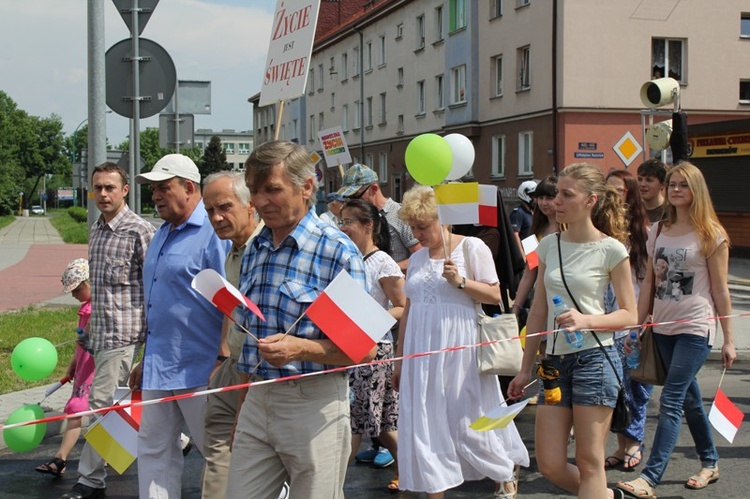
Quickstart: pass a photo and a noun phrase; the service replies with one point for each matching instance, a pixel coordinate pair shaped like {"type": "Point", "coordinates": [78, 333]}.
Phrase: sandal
{"type": "Point", "coordinates": [633, 460]}
{"type": "Point", "coordinates": [509, 488]}
{"type": "Point", "coordinates": [638, 488]}
{"type": "Point", "coordinates": [701, 480]}
{"type": "Point", "coordinates": [393, 484]}
{"type": "Point", "coordinates": [613, 462]}
{"type": "Point", "coordinates": [55, 466]}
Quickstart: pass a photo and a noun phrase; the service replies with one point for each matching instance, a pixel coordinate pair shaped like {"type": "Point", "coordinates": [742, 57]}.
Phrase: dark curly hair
{"type": "Point", "coordinates": [366, 212]}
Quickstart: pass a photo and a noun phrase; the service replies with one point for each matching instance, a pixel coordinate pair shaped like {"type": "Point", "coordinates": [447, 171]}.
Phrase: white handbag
{"type": "Point", "coordinates": [501, 355]}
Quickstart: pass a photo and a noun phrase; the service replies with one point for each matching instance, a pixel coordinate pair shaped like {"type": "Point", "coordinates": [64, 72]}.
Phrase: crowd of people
{"type": "Point", "coordinates": [605, 242]}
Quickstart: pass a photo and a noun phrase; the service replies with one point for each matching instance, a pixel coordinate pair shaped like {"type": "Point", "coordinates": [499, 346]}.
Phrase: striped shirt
{"type": "Point", "coordinates": [285, 280]}
{"type": "Point", "coordinates": [117, 251]}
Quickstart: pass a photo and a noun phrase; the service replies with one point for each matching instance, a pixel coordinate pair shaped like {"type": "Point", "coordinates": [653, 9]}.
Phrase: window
{"type": "Point", "coordinates": [333, 101]}
{"type": "Point", "coordinates": [439, 93]}
{"type": "Point", "coordinates": [439, 34]}
{"type": "Point", "coordinates": [344, 66]}
{"type": "Point", "coordinates": [399, 31]}
{"type": "Point", "coordinates": [667, 53]}
{"type": "Point", "coordinates": [320, 121]}
{"type": "Point", "coordinates": [744, 91]}
{"type": "Point", "coordinates": [400, 76]}
{"type": "Point", "coordinates": [295, 133]}
{"type": "Point", "coordinates": [345, 117]}
{"type": "Point", "coordinates": [382, 110]}
{"type": "Point", "coordinates": [311, 82]}
{"type": "Point", "coordinates": [368, 160]}
{"type": "Point", "coordinates": [420, 32]}
{"type": "Point", "coordinates": [243, 147]}
{"type": "Point", "coordinates": [321, 77]}
{"type": "Point", "coordinates": [368, 56]}
{"type": "Point", "coordinates": [497, 76]}
{"type": "Point", "coordinates": [522, 3]}
{"type": "Point", "coordinates": [357, 115]}
{"type": "Point", "coordinates": [400, 128]}
{"type": "Point", "coordinates": [355, 62]}
{"type": "Point", "coordinates": [383, 167]}
{"type": "Point", "coordinates": [525, 153]}
{"type": "Point", "coordinates": [369, 111]}
{"type": "Point", "coordinates": [458, 84]}
{"type": "Point", "coordinates": [229, 147]}
{"type": "Point", "coordinates": [282, 135]}
{"type": "Point", "coordinates": [382, 50]}
{"type": "Point", "coordinates": [420, 97]}
{"type": "Point", "coordinates": [496, 8]}
{"type": "Point", "coordinates": [311, 133]}
{"type": "Point", "coordinates": [524, 68]}
{"type": "Point", "coordinates": [498, 156]}
{"type": "Point", "coordinates": [745, 25]}
{"type": "Point", "coordinates": [458, 14]}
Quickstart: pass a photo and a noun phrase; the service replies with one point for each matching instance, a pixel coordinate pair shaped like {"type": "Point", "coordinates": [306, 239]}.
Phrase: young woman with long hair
{"type": "Point", "coordinates": [593, 256]}
{"type": "Point", "coordinates": [694, 249]}
{"type": "Point", "coordinates": [629, 451]}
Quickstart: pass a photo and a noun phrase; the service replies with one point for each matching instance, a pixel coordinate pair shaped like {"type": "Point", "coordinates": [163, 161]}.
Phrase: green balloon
{"type": "Point", "coordinates": [429, 158]}
{"type": "Point", "coordinates": [34, 359]}
{"type": "Point", "coordinates": [25, 438]}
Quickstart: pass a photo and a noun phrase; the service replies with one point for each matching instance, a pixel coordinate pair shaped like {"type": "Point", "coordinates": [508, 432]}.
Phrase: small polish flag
{"type": "Point", "coordinates": [725, 416]}
{"type": "Point", "coordinates": [488, 205]}
{"type": "Point", "coordinates": [529, 248]}
{"type": "Point", "coordinates": [458, 203]}
{"type": "Point", "coordinates": [350, 317]}
{"type": "Point", "coordinates": [222, 293]}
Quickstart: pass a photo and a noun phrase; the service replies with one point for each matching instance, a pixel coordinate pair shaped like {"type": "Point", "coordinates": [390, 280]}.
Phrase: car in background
{"type": "Point", "coordinates": [37, 210]}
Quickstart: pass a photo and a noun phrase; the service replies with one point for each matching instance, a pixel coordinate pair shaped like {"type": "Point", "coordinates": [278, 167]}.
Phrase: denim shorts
{"type": "Point", "coordinates": [587, 378]}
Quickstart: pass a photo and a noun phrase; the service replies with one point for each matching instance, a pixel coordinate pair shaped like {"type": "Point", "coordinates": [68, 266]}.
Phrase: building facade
{"type": "Point", "coordinates": [237, 145]}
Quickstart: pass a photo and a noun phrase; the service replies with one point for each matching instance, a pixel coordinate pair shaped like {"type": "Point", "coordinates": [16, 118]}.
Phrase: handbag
{"type": "Point", "coordinates": [499, 354]}
{"type": "Point", "coordinates": [650, 369]}
{"type": "Point", "coordinates": [621, 417]}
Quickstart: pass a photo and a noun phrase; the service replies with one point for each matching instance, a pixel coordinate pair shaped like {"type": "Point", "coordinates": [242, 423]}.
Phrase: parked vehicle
{"type": "Point", "coordinates": [37, 210]}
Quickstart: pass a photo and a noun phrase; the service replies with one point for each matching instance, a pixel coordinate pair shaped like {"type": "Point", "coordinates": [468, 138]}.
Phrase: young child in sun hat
{"type": "Point", "coordinates": [75, 280]}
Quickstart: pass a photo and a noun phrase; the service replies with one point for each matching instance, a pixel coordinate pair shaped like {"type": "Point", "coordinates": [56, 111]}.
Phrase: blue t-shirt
{"type": "Point", "coordinates": [520, 220]}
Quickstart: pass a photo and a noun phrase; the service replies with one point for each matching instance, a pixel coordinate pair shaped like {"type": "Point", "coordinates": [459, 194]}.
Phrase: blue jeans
{"type": "Point", "coordinates": [637, 396]}
{"type": "Point", "coordinates": [684, 355]}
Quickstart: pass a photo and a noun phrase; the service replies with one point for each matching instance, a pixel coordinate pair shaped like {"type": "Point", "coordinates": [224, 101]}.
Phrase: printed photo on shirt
{"type": "Point", "coordinates": [673, 279]}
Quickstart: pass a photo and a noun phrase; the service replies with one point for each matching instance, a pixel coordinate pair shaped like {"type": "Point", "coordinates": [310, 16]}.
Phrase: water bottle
{"type": "Point", "coordinates": [574, 338]}
{"type": "Point", "coordinates": [634, 357]}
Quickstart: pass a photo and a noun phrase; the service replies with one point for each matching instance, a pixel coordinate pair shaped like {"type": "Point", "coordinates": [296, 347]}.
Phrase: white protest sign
{"type": "Point", "coordinates": [335, 150]}
{"type": "Point", "coordinates": [289, 51]}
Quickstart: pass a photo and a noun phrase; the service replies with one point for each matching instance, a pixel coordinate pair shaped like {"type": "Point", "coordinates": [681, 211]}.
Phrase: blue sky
{"type": "Point", "coordinates": [43, 59]}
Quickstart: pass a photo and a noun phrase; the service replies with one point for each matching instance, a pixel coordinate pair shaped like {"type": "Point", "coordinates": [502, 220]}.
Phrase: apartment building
{"type": "Point", "coordinates": [535, 84]}
{"type": "Point", "coordinates": [237, 145]}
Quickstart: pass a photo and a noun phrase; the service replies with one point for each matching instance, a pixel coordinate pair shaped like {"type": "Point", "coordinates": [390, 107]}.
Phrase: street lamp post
{"type": "Point", "coordinates": [81, 175]}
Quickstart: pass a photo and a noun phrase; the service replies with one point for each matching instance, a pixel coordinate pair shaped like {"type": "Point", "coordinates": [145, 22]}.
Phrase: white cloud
{"type": "Point", "coordinates": [44, 56]}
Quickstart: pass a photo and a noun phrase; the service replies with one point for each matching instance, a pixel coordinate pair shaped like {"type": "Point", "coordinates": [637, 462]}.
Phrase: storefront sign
{"type": "Point", "coordinates": [720, 145]}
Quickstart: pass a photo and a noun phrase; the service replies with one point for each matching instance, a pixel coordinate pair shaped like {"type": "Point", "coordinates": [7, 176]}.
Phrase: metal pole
{"type": "Point", "coordinates": [135, 139]}
{"type": "Point", "coordinates": [97, 102]}
{"type": "Point", "coordinates": [177, 116]}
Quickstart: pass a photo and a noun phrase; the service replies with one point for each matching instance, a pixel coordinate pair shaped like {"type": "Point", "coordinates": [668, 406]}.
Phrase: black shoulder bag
{"type": "Point", "coordinates": [621, 415]}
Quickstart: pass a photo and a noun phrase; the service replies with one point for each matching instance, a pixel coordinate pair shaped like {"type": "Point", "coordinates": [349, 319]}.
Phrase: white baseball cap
{"type": "Point", "coordinates": [171, 165]}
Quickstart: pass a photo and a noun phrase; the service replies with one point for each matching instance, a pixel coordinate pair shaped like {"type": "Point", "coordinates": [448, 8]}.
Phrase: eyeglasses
{"type": "Point", "coordinates": [346, 221]}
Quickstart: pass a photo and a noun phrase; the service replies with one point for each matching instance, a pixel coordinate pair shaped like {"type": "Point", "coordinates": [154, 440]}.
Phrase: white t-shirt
{"type": "Point", "coordinates": [587, 269]}
{"type": "Point", "coordinates": [377, 266]}
{"type": "Point", "coordinates": [682, 284]}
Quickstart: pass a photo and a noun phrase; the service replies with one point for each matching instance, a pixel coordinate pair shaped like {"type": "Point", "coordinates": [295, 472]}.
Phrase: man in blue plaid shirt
{"type": "Point", "coordinates": [291, 430]}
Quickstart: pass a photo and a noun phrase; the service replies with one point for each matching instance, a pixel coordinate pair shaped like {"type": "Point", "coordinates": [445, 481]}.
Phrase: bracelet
{"type": "Point", "coordinates": [221, 358]}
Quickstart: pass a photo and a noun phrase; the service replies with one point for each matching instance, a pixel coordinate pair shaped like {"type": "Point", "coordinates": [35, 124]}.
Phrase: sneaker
{"type": "Point", "coordinates": [284, 491]}
{"type": "Point", "coordinates": [383, 459]}
{"type": "Point", "coordinates": [366, 456]}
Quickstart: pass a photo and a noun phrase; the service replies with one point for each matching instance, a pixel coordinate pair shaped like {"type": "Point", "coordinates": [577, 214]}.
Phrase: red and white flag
{"type": "Point", "coordinates": [529, 249]}
{"type": "Point", "coordinates": [350, 317]}
{"type": "Point", "coordinates": [725, 416]}
{"type": "Point", "coordinates": [222, 293]}
{"type": "Point", "coordinates": [488, 205]}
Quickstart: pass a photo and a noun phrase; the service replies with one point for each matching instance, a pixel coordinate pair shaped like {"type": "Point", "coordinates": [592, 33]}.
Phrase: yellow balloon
{"type": "Point", "coordinates": [522, 334]}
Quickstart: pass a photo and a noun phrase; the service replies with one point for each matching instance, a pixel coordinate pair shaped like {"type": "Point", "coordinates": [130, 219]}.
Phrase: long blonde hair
{"type": "Point", "coordinates": [702, 215]}
{"type": "Point", "coordinates": [608, 214]}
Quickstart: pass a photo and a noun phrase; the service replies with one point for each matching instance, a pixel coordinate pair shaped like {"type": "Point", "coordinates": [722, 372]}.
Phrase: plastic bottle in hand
{"type": "Point", "coordinates": [574, 338]}
{"type": "Point", "coordinates": [634, 357]}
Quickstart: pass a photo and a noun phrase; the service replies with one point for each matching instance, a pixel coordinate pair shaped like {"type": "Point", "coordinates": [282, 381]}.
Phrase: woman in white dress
{"type": "Point", "coordinates": [442, 394]}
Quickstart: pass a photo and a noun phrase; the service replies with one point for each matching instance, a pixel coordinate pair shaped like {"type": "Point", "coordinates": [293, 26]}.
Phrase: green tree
{"type": "Point", "coordinates": [214, 158]}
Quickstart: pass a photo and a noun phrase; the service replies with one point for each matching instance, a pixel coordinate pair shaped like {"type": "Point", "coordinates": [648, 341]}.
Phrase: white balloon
{"type": "Point", "coordinates": [463, 155]}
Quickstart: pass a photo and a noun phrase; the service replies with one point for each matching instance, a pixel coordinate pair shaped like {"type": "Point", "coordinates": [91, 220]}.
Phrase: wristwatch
{"type": "Point", "coordinates": [462, 284]}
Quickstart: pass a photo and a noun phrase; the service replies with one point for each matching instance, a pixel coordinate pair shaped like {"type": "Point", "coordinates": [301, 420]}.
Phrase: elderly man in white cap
{"type": "Point", "coordinates": [183, 330]}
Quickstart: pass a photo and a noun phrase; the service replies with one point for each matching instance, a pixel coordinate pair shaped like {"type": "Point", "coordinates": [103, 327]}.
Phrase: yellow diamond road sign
{"type": "Point", "coordinates": [627, 148]}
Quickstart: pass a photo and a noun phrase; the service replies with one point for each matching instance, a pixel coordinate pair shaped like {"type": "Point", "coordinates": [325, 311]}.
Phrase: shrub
{"type": "Point", "coordinates": [78, 213]}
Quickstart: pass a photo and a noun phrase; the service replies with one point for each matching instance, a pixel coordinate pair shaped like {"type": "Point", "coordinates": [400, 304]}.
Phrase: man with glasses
{"type": "Point", "coordinates": [361, 182]}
